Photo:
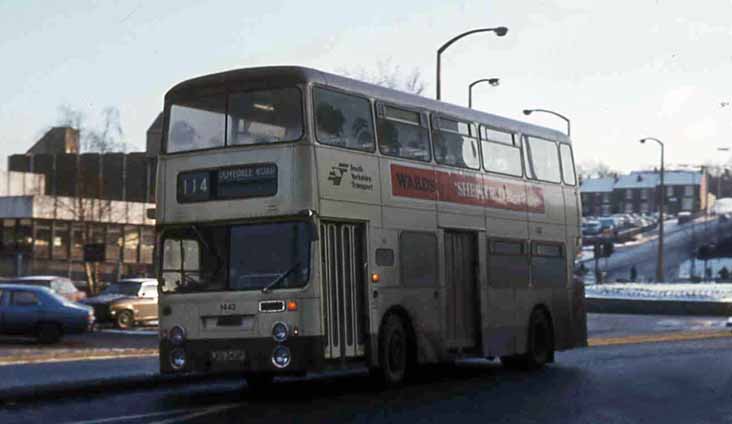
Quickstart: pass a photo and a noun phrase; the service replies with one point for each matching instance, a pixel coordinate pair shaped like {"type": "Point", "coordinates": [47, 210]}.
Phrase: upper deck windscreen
{"type": "Point", "coordinates": [244, 118]}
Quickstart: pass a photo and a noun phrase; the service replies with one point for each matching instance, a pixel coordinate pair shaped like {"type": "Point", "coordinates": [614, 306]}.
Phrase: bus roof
{"type": "Point", "coordinates": [279, 76]}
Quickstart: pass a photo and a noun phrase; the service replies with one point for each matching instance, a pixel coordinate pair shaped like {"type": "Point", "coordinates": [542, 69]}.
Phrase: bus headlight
{"type": "Point", "coordinates": [280, 332]}
{"type": "Point", "coordinates": [178, 359]}
{"type": "Point", "coordinates": [281, 357]}
{"type": "Point", "coordinates": [177, 335]}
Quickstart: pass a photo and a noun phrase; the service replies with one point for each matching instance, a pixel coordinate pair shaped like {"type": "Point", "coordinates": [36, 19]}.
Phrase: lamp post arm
{"type": "Point", "coordinates": [470, 90]}
{"type": "Point", "coordinates": [501, 31]}
{"type": "Point", "coordinates": [557, 114]}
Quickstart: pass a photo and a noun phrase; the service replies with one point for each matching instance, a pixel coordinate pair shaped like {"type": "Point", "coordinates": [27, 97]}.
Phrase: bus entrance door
{"type": "Point", "coordinates": [463, 312]}
{"type": "Point", "coordinates": [343, 260]}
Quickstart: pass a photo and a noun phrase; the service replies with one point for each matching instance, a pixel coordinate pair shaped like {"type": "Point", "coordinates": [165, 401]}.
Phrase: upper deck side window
{"type": "Point", "coordinates": [237, 118]}
{"type": "Point", "coordinates": [501, 152]}
{"type": "Point", "coordinates": [455, 143]}
{"type": "Point", "coordinates": [343, 120]}
{"type": "Point", "coordinates": [542, 160]}
{"type": "Point", "coordinates": [402, 133]}
{"type": "Point", "coordinates": [568, 172]}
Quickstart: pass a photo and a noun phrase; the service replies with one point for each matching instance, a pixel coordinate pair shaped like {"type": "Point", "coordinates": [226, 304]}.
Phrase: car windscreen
{"type": "Point", "coordinates": [130, 288]}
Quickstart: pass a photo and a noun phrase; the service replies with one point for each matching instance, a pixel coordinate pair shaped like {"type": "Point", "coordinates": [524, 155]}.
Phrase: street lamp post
{"type": "Point", "coordinates": [500, 31]}
{"type": "Point", "coordinates": [659, 264]}
{"type": "Point", "coordinates": [528, 112]}
{"type": "Point", "coordinates": [492, 81]}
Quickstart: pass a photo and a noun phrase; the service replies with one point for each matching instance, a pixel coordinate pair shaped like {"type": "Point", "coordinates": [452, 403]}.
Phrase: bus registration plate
{"type": "Point", "coordinates": [235, 355]}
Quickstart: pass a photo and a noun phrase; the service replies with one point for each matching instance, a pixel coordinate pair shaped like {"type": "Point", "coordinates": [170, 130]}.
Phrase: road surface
{"type": "Point", "coordinates": [684, 382]}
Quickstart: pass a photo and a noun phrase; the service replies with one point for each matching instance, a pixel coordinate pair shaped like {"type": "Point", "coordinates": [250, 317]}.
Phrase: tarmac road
{"type": "Point", "coordinates": [670, 382]}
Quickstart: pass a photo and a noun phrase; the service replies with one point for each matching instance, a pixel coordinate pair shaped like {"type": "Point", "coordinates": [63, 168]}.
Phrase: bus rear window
{"type": "Point", "coordinates": [265, 116]}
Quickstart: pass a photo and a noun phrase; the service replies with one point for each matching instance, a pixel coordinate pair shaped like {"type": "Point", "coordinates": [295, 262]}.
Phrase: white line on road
{"type": "Point", "coordinates": [192, 413]}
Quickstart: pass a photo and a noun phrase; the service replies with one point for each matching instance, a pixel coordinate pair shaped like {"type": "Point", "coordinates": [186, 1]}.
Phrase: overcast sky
{"type": "Point", "coordinates": [620, 70]}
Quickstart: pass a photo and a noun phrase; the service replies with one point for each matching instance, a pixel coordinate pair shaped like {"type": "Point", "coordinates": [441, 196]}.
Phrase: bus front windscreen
{"type": "Point", "coordinates": [240, 257]}
{"type": "Point", "coordinates": [241, 118]}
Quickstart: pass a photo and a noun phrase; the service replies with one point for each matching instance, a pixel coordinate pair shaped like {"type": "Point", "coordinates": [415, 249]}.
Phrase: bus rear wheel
{"type": "Point", "coordinates": [540, 345]}
{"type": "Point", "coordinates": [393, 352]}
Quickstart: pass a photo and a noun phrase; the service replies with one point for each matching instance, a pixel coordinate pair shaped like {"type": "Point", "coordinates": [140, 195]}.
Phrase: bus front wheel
{"type": "Point", "coordinates": [393, 352]}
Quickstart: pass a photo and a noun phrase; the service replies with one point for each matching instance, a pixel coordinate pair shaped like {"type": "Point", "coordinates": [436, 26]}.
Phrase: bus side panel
{"type": "Point", "coordinates": [507, 281]}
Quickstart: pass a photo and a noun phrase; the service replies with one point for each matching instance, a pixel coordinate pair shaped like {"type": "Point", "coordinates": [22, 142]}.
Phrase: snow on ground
{"type": "Point", "coordinates": [662, 291]}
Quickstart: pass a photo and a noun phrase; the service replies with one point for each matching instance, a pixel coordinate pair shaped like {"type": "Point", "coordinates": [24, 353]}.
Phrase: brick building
{"type": "Point", "coordinates": [640, 192]}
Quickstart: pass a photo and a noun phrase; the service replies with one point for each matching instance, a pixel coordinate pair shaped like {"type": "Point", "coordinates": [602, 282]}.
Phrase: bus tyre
{"type": "Point", "coordinates": [539, 345]}
{"type": "Point", "coordinates": [49, 333]}
{"type": "Point", "coordinates": [540, 349]}
{"type": "Point", "coordinates": [393, 352]}
{"type": "Point", "coordinates": [125, 319]}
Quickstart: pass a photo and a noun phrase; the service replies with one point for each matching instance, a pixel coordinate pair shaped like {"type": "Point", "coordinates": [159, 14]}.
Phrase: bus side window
{"type": "Point", "coordinates": [544, 159]}
{"type": "Point", "coordinates": [343, 120]}
{"type": "Point", "coordinates": [403, 133]}
{"type": "Point", "coordinates": [455, 143]}
{"type": "Point", "coordinates": [568, 174]}
{"type": "Point", "coordinates": [548, 267]}
{"type": "Point", "coordinates": [501, 153]}
{"type": "Point", "coordinates": [418, 259]}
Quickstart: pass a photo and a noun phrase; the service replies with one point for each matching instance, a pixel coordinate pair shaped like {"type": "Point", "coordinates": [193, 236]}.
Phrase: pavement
{"type": "Point", "coordinates": [104, 361]}
{"type": "Point", "coordinates": [667, 382]}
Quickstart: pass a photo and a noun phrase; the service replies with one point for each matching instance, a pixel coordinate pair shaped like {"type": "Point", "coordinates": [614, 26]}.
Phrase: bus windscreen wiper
{"type": "Point", "coordinates": [280, 278]}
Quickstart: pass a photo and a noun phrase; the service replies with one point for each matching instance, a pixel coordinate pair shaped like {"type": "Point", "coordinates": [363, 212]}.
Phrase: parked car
{"type": "Point", "coordinates": [127, 302]}
{"type": "Point", "coordinates": [35, 311]}
{"type": "Point", "coordinates": [683, 217]}
{"type": "Point", "coordinates": [60, 285]}
{"type": "Point", "coordinates": [591, 228]}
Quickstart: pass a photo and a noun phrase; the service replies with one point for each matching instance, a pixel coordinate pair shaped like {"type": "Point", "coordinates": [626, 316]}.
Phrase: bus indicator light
{"type": "Point", "coordinates": [291, 305]}
{"type": "Point", "coordinates": [375, 277]}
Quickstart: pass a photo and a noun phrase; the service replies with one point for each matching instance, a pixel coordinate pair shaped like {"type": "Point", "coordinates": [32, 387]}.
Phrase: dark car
{"type": "Point", "coordinates": [60, 285]}
{"type": "Point", "coordinates": [39, 312]}
{"type": "Point", "coordinates": [127, 302]}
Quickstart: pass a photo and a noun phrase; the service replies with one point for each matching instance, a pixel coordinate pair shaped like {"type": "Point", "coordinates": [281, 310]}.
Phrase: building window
{"type": "Point", "coordinates": [132, 243]}
{"type": "Point", "coordinates": [42, 239]}
{"type": "Point", "coordinates": [114, 243]}
{"type": "Point", "coordinates": [688, 191]}
{"type": "Point", "coordinates": [605, 197]}
{"type": "Point", "coordinates": [669, 191]}
{"type": "Point", "coordinates": [8, 236]}
{"type": "Point", "coordinates": [77, 241]}
{"type": "Point", "coordinates": [644, 207]}
{"type": "Point", "coordinates": [687, 204]}
{"type": "Point", "coordinates": [60, 248]}
{"type": "Point", "coordinates": [628, 194]}
{"type": "Point", "coordinates": [147, 245]}
{"type": "Point", "coordinates": [628, 207]}
{"type": "Point", "coordinates": [24, 235]}
{"type": "Point", "coordinates": [644, 194]}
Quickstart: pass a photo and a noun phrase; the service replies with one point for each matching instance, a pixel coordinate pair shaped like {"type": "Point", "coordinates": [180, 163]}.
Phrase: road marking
{"type": "Point", "coordinates": [189, 415]}
{"type": "Point", "coordinates": [655, 338]}
{"type": "Point", "coordinates": [78, 356]}
{"type": "Point", "coordinates": [200, 413]}
{"type": "Point", "coordinates": [133, 417]}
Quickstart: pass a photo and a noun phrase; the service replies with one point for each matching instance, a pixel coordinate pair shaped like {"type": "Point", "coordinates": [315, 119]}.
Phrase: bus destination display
{"type": "Point", "coordinates": [257, 180]}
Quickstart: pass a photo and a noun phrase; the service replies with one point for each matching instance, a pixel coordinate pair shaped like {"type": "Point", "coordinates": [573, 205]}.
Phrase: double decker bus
{"type": "Point", "coordinates": [308, 221]}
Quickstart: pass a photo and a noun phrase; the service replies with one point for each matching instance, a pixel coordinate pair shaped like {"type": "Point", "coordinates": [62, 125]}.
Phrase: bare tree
{"type": "Point", "coordinates": [87, 207]}
{"type": "Point", "coordinates": [594, 169]}
{"type": "Point", "coordinates": [390, 75]}
{"type": "Point", "coordinates": [106, 137]}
